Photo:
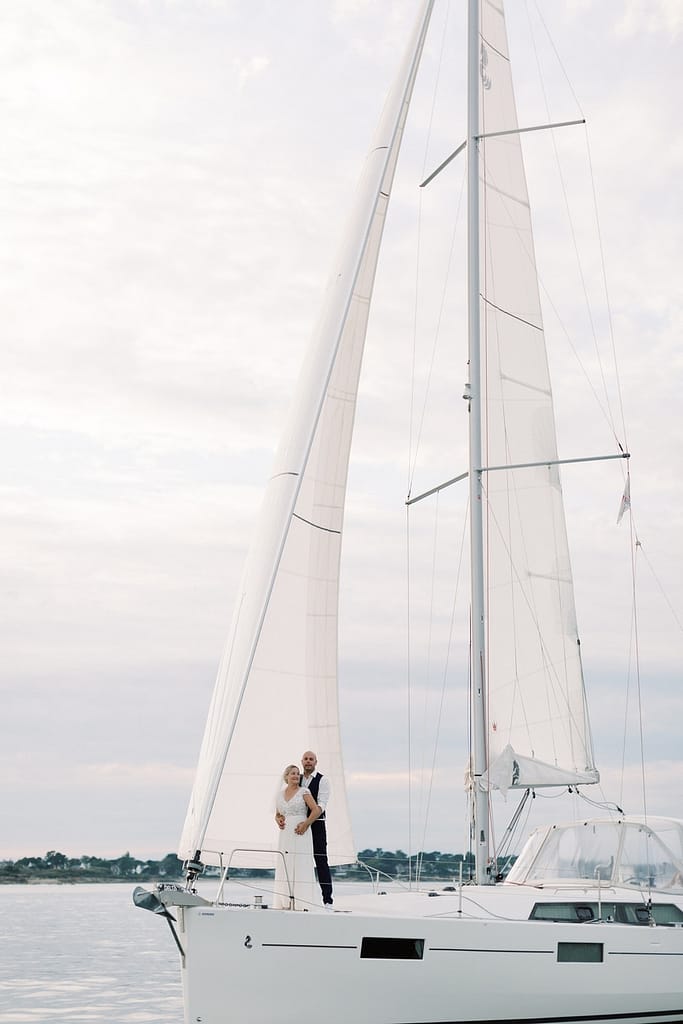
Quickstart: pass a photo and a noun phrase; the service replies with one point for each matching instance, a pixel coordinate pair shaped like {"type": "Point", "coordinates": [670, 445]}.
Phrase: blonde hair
{"type": "Point", "coordinates": [288, 770]}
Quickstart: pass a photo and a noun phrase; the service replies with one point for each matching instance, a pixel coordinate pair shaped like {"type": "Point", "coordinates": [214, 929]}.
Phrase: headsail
{"type": "Point", "coordinates": [276, 692]}
{"type": "Point", "coordinates": [538, 731]}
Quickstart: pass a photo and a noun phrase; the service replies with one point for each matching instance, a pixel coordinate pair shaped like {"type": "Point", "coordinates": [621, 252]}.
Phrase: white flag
{"type": "Point", "coordinates": [625, 500]}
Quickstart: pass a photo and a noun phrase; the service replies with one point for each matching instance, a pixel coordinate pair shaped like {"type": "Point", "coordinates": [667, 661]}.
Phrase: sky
{"type": "Point", "coordinates": [174, 176]}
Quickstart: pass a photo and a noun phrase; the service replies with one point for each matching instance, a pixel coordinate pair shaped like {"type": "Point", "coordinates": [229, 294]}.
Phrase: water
{"type": "Point", "coordinates": [84, 954]}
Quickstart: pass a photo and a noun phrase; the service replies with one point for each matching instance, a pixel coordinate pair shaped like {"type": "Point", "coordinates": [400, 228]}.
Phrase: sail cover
{"type": "Point", "coordinates": [276, 691]}
{"type": "Point", "coordinates": [538, 732]}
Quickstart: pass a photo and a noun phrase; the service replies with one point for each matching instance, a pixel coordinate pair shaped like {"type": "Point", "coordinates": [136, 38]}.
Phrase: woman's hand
{"type": "Point", "coordinates": [301, 827]}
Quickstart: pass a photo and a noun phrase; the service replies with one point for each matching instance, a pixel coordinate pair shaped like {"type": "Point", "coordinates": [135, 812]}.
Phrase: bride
{"type": "Point", "coordinates": [295, 886]}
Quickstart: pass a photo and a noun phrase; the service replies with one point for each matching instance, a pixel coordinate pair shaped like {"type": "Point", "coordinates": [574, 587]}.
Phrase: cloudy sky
{"type": "Point", "coordinates": [173, 181]}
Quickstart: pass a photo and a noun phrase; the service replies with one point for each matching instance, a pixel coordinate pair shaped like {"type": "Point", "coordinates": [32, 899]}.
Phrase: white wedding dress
{"type": "Point", "coordinates": [294, 873]}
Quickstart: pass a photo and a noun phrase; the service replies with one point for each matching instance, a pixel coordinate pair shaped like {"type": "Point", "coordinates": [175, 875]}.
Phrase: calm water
{"type": "Point", "coordinates": [84, 954]}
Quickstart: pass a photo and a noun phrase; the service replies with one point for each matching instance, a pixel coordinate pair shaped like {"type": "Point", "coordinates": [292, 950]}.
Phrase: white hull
{"type": "Point", "coordinates": [251, 966]}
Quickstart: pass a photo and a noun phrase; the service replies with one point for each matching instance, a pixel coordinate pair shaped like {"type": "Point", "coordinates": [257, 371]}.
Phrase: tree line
{"type": "Point", "coordinates": [57, 866]}
{"type": "Point", "coordinates": [375, 863]}
{"type": "Point", "coordinates": [433, 864]}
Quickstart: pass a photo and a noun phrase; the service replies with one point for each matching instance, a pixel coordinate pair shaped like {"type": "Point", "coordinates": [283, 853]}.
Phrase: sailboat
{"type": "Point", "coordinates": [588, 924]}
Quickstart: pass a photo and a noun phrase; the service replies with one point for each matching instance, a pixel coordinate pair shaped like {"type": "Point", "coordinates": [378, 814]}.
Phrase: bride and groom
{"type": "Point", "coordinates": [300, 815]}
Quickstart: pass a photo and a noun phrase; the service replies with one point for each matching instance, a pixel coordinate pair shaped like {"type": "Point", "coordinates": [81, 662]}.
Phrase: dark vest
{"type": "Point", "coordinates": [313, 788]}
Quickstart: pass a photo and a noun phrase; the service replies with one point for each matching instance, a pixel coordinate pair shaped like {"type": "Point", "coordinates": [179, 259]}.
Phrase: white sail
{"type": "Point", "coordinates": [538, 731]}
{"type": "Point", "coordinates": [564, 939]}
{"type": "Point", "coordinates": [276, 691]}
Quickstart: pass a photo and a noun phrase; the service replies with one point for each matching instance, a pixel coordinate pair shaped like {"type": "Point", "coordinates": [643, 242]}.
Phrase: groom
{"type": "Point", "coordinates": [319, 787]}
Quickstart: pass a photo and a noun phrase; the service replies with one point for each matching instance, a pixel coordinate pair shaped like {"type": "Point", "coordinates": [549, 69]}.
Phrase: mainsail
{"type": "Point", "coordinates": [276, 691]}
{"type": "Point", "coordinates": [538, 731]}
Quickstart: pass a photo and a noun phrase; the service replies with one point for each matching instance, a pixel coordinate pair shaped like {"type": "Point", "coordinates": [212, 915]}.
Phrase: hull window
{"type": "Point", "coordinates": [579, 953]}
{"type": "Point", "coordinates": [380, 948]}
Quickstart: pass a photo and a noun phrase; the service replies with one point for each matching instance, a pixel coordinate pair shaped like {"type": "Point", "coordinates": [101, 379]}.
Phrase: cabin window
{"type": "Point", "coordinates": [564, 912]}
{"type": "Point", "coordinates": [380, 948]}
{"type": "Point", "coordinates": [667, 913]}
{"type": "Point", "coordinates": [579, 953]}
{"type": "Point", "coordinates": [662, 913]}
{"type": "Point", "coordinates": [624, 913]}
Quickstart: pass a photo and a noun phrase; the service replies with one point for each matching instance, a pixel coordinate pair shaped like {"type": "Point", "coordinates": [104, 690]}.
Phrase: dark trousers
{"type": "Point", "coordinates": [322, 868]}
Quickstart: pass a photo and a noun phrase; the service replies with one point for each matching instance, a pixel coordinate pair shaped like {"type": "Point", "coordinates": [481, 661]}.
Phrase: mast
{"type": "Point", "coordinates": [480, 800]}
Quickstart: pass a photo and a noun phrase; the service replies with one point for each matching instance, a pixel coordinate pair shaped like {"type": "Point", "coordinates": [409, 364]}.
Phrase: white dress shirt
{"type": "Point", "coordinates": [323, 792]}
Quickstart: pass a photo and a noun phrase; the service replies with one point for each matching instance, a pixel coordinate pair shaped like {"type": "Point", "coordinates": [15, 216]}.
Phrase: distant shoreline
{"type": "Point", "coordinates": [79, 880]}
{"type": "Point", "coordinates": [56, 868]}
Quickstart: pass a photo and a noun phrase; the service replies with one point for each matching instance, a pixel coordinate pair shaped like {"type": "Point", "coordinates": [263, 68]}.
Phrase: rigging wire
{"type": "Point", "coordinates": [603, 805]}
{"type": "Point", "coordinates": [516, 826]}
{"type": "Point", "coordinates": [437, 335]}
{"type": "Point", "coordinates": [636, 651]}
{"type": "Point", "coordinates": [410, 464]}
{"type": "Point", "coordinates": [418, 261]}
{"type": "Point", "coordinates": [552, 673]}
{"type": "Point", "coordinates": [411, 420]}
{"type": "Point", "coordinates": [605, 407]}
{"type": "Point", "coordinates": [607, 410]}
{"type": "Point", "coordinates": [416, 428]}
{"type": "Point", "coordinates": [409, 696]}
{"type": "Point", "coordinates": [643, 554]}
{"type": "Point", "coordinates": [634, 661]}
{"type": "Point", "coordinates": [439, 720]}
{"type": "Point", "coordinates": [627, 700]}
{"type": "Point", "coordinates": [428, 673]}
{"type": "Point", "coordinates": [597, 221]}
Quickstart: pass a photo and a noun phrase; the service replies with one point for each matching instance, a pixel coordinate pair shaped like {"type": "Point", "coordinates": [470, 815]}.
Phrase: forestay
{"type": "Point", "coordinates": [538, 731]}
{"type": "Point", "coordinates": [276, 691]}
